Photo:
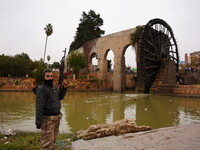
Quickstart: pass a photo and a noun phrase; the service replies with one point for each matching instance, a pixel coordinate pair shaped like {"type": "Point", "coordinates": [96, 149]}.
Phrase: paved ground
{"type": "Point", "coordinates": [185, 137]}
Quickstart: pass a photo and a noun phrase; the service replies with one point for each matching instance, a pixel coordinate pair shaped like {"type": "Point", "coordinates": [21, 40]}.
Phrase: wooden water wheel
{"type": "Point", "coordinates": [156, 42]}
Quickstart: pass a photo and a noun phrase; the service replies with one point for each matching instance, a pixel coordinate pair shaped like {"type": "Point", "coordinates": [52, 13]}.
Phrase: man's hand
{"type": "Point", "coordinates": [65, 84]}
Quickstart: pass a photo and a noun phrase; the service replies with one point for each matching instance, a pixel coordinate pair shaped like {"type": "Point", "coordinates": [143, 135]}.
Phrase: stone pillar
{"type": "Point", "coordinates": [136, 52]}
{"type": "Point", "coordinates": [90, 67]}
{"type": "Point", "coordinates": [74, 77]}
{"type": "Point", "coordinates": [102, 65]}
{"type": "Point", "coordinates": [119, 74]}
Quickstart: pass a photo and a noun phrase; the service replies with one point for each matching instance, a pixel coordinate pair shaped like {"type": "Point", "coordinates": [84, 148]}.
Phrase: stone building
{"type": "Point", "coordinates": [117, 43]}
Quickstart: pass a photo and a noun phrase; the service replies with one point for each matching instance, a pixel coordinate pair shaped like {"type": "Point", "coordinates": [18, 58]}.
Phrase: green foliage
{"type": "Point", "coordinates": [38, 72]}
{"type": "Point", "coordinates": [48, 58]}
{"type": "Point", "coordinates": [76, 61]}
{"type": "Point", "coordinates": [17, 66]}
{"type": "Point", "coordinates": [136, 36]}
{"type": "Point", "coordinates": [88, 29]}
{"type": "Point", "coordinates": [20, 65]}
{"type": "Point", "coordinates": [31, 141]}
{"type": "Point", "coordinates": [23, 55]}
{"type": "Point", "coordinates": [95, 80]}
{"type": "Point", "coordinates": [28, 141]}
{"type": "Point", "coordinates": [55, 65]}
{"type": "Point", "coordinates": [48, 29]}
{"type": "Point", "coordinates": [2, 84]}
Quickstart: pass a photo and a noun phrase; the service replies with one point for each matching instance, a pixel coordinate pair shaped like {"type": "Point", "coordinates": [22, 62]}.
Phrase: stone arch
{"type": "Point", "coordinates": [130, 75]}
{"type": "Point", "coordinates": [103, 73]}
{"type": "Point", "coordinates": [116, 42]}
{"type": "Point", "coordinates": [135, 51]}
{"type": "Point", "coordinates": [106, 59]}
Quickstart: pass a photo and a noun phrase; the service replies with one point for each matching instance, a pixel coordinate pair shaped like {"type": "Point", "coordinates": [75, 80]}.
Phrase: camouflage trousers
{"type": "Point", "coordinates": [49, 131]}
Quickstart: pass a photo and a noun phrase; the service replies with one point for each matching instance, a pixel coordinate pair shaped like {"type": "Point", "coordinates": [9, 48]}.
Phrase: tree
{"type": "Point", "coordinates": [48, 30]}
{"type": "Point", "coordinates": [17, 66]}
{"type": "Point", "coordinates": [48, 58]}
{"type": "Point", "coordinates": [38, 72]}
{"type": "Point", "coordinates": [89, 28]}
{"type": "Point", "coordinates": [55, 65]}
{"type": "Point", "coordinates": [76, 61]}
{"type": "Point", "coordinates": [23, 55]}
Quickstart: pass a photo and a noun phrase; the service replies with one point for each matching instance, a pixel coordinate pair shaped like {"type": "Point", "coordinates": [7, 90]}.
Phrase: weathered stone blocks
{"type": "Point", "coordinates": [117, 128]}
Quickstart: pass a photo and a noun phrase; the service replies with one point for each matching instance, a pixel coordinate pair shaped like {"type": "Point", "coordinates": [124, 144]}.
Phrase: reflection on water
{"type": "Point", "coordinates": [16, 110]}
{"type": "Point", "coordinates": [81, 109]}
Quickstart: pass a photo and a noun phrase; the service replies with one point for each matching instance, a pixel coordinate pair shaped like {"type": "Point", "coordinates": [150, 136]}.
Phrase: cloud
{"type": "Point", "coordinates": [23, 21]}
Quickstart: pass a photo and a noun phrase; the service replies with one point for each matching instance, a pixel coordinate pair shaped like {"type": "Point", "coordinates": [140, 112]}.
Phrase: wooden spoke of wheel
{"type": "Point", "coordinates": [150, 75]}
{"type": "Point", "coordinates": [151, 59]}
{"type": "Point", "coordinates": [152, 67]}
{"type": "Point", "coordinates": [151, 54]}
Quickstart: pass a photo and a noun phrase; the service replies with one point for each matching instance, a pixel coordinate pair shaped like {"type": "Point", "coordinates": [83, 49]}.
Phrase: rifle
{"type": "Point", "coordinates": [61, 71]}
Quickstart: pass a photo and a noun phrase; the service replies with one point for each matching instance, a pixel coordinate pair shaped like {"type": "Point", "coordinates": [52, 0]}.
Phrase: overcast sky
{"type": "Point", "coordinates": [22, 22]}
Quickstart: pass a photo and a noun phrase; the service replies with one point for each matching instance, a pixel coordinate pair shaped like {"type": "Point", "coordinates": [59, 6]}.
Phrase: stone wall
{"type": "Point", "coordinates": [16, 84]}
{"type": "Point", "coordinates": [131, 81]}
{"type": "Point", "coordinates": [84, 85]}
{"type": "Point", "coordinates": [89, 83]}
{"type": "Point", "coordinates": [190, 78]}
{"type": "Point", "coordinates": [26, 84]}
{"type": "Point", "coordinates": [165, 75]}
{"type": "Point", "coordinates": [165, 83]}
{"type": "Point", "coordinates": [177, 90]}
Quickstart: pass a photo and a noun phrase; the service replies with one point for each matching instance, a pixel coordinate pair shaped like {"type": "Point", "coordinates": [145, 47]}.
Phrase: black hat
{"type": "Point", "coordinates": [46, 70]}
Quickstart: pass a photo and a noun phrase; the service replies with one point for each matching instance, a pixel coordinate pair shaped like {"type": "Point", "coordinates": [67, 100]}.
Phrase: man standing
{"type": "Point", "coordinates": [48, 107]}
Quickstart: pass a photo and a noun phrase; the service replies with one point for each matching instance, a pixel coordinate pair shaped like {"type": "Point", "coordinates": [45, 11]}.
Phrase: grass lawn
{"type": "Point", "coordinates": [31, 141]}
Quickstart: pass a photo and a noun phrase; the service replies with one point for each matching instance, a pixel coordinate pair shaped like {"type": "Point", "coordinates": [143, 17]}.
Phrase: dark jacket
{"type": "Point", "coordinates": [48, 102]}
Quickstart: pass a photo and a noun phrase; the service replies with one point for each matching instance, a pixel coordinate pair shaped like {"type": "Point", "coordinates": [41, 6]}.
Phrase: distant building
{"type": "Point", "coordinates": [197, 54]}
{"type": "Point", "coordinates": [186, 59]}
{"type": "Point", "coordinates": [193, 54]}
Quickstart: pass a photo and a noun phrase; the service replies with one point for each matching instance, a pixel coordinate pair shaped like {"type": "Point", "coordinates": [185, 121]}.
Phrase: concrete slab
{"type": "Point", "coordinates": [186, 137]}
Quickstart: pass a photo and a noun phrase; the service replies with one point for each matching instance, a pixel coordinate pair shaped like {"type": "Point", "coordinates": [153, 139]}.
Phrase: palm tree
{"type": "Point", "coordinates": [48, 59]}
{"type": "Point", "coordinates": [48, 30]}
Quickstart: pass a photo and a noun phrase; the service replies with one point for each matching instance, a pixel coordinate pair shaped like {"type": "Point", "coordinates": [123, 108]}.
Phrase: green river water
{"type": "Point", "coordinates": [81, 109]}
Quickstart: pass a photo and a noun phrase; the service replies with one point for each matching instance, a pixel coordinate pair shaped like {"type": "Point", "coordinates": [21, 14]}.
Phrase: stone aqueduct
{"type": "Point", "coordinates": [118, 43]}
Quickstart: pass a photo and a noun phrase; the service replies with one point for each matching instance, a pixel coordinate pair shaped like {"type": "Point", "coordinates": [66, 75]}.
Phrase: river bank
{"type": "Point", "coordinates": [20, 140]}
{"type": "Point", "coordinates": [9, 84]}
{"type": "Point", "coordinates": [185, 137]}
